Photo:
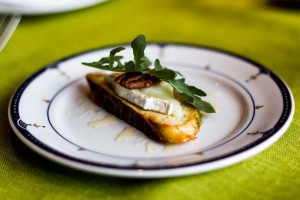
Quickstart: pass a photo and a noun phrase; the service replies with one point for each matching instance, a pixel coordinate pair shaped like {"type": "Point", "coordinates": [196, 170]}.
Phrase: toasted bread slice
{"type": "Point", "coordinates": [164, 128]}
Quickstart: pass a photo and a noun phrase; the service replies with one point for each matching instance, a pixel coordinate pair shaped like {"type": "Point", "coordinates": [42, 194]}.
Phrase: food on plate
{"type": "Point", "coordinates": [154, 99]}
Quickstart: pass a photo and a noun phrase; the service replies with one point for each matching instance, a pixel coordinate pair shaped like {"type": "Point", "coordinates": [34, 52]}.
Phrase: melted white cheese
{"type": "Point", "coordinates": [158, 98]}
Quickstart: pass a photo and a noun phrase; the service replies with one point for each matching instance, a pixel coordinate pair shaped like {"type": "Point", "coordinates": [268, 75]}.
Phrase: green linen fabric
{"type": "Point", "coordinates": [252, 28]}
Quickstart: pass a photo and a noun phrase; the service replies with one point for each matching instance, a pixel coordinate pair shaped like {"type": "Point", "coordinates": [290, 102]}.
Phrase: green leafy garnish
{"type": "Point", "coordinates": [141, 64]}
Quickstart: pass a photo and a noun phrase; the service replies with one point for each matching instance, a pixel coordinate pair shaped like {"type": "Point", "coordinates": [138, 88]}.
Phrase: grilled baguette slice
{"type": "Point", "coordinates": [161, 127]}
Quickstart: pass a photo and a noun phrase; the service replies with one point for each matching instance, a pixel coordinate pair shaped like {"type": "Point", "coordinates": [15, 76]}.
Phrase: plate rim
{"type": "Point", "coordinates": [230, 158]}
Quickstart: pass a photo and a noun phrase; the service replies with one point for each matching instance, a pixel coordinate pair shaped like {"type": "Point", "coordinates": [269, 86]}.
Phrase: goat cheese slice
{"type": "Point", "coordinates": [158, 98]}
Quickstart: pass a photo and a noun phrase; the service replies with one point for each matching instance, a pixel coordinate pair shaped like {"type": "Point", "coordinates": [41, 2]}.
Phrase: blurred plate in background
{"type": "Point", "coordinates": [34, 7]}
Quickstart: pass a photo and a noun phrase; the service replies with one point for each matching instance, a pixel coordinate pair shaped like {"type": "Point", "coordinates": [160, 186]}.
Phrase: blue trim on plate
{"type": "Point", "coordinates": [287, 109]}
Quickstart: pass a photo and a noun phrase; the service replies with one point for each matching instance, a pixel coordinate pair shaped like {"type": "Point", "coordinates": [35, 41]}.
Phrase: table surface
{"type": "Point", "coordinates": [269, 35]}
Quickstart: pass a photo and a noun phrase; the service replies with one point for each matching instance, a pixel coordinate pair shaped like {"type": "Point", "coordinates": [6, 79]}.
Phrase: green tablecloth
{"type": "Point", "coordinates": [266, 34]}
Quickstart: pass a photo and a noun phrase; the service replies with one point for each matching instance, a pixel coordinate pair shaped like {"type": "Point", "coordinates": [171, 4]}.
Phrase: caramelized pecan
{"type": "Point", "coordinates": [135, 80]}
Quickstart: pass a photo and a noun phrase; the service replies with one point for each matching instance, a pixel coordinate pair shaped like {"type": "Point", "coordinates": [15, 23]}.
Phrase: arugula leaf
{"type": "Point", "coordinates": [113, 58]}
{"type": "Point", "coordinates": [145, 63]}
{"type": "Point", "coordinates": [141, 64]}
{"type": "Point", "coordinates": [138, 45]}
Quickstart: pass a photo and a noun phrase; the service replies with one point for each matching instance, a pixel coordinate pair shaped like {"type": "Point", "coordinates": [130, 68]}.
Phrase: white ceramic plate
{"type": "Point", "coordinates": [52, 113]}
{"type": "Point", "coordinates": [37, 7]}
